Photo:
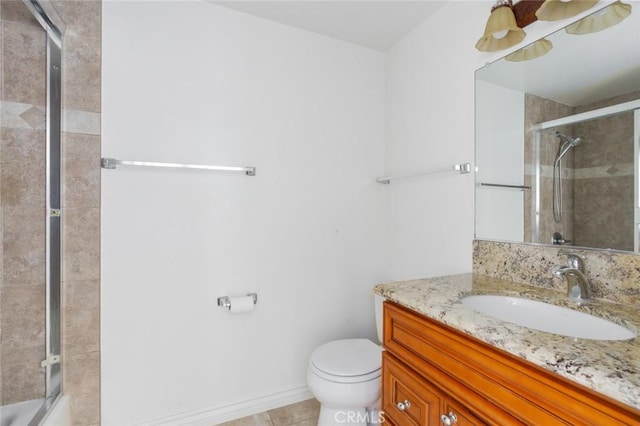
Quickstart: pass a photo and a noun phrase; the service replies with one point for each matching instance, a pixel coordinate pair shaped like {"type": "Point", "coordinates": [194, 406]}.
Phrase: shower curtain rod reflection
{"type": "Point", "coordinates": [462, 168]}
{"type": "Point", "coordinates": [111, 163]}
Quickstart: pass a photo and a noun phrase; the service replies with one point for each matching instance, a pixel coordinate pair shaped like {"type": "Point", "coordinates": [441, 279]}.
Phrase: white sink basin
{"type": "Point", "coordinates": [549, 318]}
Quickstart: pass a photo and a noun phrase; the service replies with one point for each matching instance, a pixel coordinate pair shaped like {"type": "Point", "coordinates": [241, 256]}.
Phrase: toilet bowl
{"type": "Point", "coordinates": [345, 377]}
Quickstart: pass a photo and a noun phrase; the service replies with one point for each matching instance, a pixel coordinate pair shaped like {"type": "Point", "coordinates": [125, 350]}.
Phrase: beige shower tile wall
{"type": "Point", "coordinates": [1, 231]}
{"type": "Point", "coordinates": [611, 101]}
{"type": "Point", "coordinates": [604, 166]}
{"type": "Point", "coordinates": [22, 203]}
{"type": "Point", "coordinates": [81, 98]}
{"type": "Point", "coordinates": [613, 275]}
{"type": "Point", "coordinates": [596, 223]}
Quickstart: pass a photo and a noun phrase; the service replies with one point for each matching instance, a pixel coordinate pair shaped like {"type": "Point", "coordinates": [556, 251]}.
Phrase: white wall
{"type": "Point", "coordinates": [499, 160]}
{"type": "Point", "coordinates": [192, 82]}
{"type": "Point", "coordinates": [430, 125]}
{"type": "Point", "coordinates": [196, 83]}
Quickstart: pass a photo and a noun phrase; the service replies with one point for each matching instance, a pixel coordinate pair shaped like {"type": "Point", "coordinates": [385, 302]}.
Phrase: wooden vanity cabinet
{"type": "Point", "coordinates": [430, 370]}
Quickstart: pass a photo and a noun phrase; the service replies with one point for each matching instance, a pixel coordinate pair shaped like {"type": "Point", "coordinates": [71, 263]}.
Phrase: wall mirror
{"type": "Point", "coordinates": [557, 140]}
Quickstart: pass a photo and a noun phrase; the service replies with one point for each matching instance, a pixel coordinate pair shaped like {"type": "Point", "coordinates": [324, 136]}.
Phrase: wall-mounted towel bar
{"type": "Point", "coordinates": [500, 185]}
{"type": "Point", "coordinates": [462, 168]}
{"type": "Point", "coordinates": [111, 163]}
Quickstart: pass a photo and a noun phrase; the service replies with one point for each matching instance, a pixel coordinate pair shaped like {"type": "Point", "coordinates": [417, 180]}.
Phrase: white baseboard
{"type": "Point", "coordinates": [220, 414]}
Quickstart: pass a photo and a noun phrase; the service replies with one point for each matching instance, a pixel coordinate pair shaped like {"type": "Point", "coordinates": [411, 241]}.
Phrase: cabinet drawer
{"type": "Point", "coordinates": [407, 400]}
{"type": "Point", "coordinates": [475, 373]}
{"type": "Point", "coordinates": [462, 416]}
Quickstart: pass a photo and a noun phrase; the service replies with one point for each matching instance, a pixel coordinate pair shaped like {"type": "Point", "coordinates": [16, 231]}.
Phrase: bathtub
{"type": "Point", "coordinates": [59, 414]}
{"type": "Point", "coordinates": [24, 413]}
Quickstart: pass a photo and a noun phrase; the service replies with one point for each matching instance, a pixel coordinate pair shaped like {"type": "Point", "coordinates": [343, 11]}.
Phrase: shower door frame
{"type": "Point", "coordinates": [579, 118]}
{"type": "Point", "coordinates": [52, 24]}
{"type": "Point", "coordinates": [636, 156]}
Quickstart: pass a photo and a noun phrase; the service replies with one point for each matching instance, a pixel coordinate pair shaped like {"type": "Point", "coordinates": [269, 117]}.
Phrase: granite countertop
{"type": "Point", "coordinates": [609, 367]}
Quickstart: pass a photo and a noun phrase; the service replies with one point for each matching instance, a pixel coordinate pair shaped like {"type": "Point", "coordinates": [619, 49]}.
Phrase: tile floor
{"type": "Point", "coordinates": [303, 413]}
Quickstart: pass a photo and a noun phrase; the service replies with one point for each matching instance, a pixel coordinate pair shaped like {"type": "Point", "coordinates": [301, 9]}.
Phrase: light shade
{"type": "Point", "coordinates": [554, 10]}
{"type": "Point", "coordinates": [501, 31]}
{"type": "Point", "coordinates": [603, 19]}
{"type": "Point", "coordinates": [532, 51]}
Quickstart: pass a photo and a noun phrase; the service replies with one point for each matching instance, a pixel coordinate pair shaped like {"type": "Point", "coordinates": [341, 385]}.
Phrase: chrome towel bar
{"type": "Point", "coordinates": [111, 163]}
{"type": "Point", "coordinates": [500, 185]}
{"type": "Point", "coordinates": [462, 168]}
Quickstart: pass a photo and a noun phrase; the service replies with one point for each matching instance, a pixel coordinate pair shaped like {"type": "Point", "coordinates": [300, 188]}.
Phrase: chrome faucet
{"type": "Point", "coordinates": [578, 287]}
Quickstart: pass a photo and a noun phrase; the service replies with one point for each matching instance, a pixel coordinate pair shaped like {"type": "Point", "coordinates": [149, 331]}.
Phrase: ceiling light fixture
{"type": "Point", "coordinates": [501, 31]}
{"type": "Point", "coordinates": [554, 10]}
{"type": "Point", "coordinates": [601, 20]}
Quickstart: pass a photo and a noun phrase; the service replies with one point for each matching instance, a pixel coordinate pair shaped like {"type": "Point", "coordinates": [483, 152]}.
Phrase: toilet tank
{"type": "Point", "coordinates": [378, 301]}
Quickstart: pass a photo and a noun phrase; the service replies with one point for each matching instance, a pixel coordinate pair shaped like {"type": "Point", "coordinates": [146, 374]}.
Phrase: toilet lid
{"type": "Point", "coordinates": [347, 358]}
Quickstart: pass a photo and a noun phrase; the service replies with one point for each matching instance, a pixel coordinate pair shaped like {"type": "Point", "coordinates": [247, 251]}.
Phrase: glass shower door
{"type": "Point", "coordinates": [29, 211]}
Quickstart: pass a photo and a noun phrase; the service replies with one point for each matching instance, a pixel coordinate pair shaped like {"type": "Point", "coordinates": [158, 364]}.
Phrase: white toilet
{"type": "Point", "coordinates": [344, 375]}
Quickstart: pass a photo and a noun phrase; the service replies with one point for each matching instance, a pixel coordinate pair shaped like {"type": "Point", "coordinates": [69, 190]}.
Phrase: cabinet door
{"type": "Point", "coordinates": [406, 399]}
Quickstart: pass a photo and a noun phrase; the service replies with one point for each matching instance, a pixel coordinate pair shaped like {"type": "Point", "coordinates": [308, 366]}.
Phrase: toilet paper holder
{"type": "Point", "coordinates": [225, 301]}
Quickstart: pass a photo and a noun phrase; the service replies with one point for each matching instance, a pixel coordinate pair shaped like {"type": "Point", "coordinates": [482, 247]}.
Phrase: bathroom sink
{"type": "Point", "coordinates": [549, 318]}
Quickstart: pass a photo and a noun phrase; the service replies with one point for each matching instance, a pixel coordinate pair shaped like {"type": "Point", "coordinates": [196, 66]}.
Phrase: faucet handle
{"type": "Point", "coordinates": [558, 239]}
{"type": "Point", "coordinates": [574, 260]}
{"type": "Point", "coordinates": [558, 271]}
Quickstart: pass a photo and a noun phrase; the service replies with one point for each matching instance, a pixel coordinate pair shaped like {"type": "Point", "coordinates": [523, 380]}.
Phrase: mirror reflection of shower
{"type": "Point", "coordinates": [591, 188]}
{"type": "Point", "coordinates": [566, 143]}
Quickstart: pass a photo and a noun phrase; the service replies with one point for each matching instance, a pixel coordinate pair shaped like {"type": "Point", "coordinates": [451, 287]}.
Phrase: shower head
{"type": "Point", "coordinates": [567, 143]}
{"type": "Point", "coordinates": [568, 139]}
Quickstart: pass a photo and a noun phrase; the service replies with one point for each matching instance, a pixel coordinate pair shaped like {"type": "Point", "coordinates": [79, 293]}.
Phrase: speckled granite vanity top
{"type": "Point", "coordinates": [609, 367]}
